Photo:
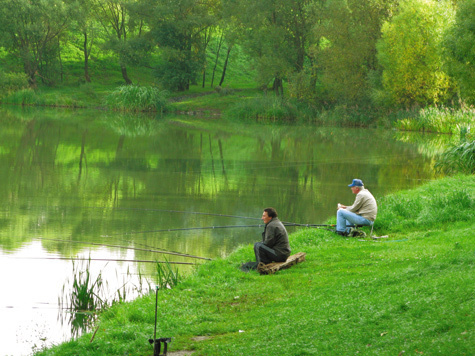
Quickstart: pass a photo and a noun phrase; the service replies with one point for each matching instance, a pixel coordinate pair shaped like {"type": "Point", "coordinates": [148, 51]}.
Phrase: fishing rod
{"type": "Point", "coordinates": [213, 227]}
{"type": "Point", "coordinates": [308, 225]}
{"type": "Point", "coordinates": [184, 229]}
{"type": "Point", "coordinates": [161, 210]}
{"type": "Point", "coordinates": [128, 248]}
{"type": "Point", "coordinates": [101, 259]}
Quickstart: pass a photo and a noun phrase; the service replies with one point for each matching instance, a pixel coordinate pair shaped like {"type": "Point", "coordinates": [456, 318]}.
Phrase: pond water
{"type": "Point", "coordinates": [89, 184]}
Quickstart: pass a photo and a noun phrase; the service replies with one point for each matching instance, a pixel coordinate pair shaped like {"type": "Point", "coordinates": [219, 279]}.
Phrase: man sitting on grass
{"type": "Point", "coordinates": [275, 240]}
{"type": "Point", "coordinates": [362, 212]}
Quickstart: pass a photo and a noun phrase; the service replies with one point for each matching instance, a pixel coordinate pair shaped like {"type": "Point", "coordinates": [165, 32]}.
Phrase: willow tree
{"type": "Point", "coordinates": [31, 30]}
{"type": "Point", "coordinates": [410, 53]}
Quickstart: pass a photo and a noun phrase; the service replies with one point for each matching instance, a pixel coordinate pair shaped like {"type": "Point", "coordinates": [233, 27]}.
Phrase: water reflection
{"type": "Point", "coordinates": [72, 178]}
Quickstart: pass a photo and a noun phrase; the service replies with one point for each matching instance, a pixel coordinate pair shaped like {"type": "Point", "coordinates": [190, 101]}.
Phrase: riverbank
{"type": "Point", "coordinates": [411, 293]}
{"type": "Point", "coordinates": [244, 104]}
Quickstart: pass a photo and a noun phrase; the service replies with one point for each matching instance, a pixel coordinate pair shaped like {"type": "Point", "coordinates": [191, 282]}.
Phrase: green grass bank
{"type": "Point", "coordinates": [409, 294]}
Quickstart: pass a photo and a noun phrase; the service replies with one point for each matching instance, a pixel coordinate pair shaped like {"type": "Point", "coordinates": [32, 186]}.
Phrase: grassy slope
{"type": "Point", "coordinates": [412, 292]}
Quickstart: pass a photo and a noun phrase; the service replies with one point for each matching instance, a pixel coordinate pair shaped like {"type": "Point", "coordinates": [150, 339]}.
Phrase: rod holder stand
{"type": "Point", "coordinates": [157, 345]}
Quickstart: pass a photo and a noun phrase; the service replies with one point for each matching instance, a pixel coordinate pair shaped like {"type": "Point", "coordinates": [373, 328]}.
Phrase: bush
{"type": "Point", "coordinates": [12, 82]}
{"type": "Point", "coordinates": [137, 98]}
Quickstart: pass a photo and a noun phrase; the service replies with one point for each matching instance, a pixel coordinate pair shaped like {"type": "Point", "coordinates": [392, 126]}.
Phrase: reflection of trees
{"type": "Point", "coordinates": [301, 171]}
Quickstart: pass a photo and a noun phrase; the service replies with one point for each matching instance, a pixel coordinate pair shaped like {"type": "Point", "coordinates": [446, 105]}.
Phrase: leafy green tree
{"type": "Point", "coordinates": [85, 24]}
{"type": "Point", "coordinates": [179, 28]}
{"type": "Point", "coordinates": [410, 53]}
{"type": "Point", "coordinates": [31, 29]}
{"type": "Point", "coordinates": [276, 35]}
{"type": "Point", "coordinates": [124, 30]}
{"type": "Point", "coordinates": [345, 54]}
{"type": "Point", "coordinates": [459, 43]}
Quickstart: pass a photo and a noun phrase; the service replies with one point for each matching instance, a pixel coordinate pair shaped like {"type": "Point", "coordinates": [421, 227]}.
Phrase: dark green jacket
{"type": "Point", "coordinates": [275, 237]}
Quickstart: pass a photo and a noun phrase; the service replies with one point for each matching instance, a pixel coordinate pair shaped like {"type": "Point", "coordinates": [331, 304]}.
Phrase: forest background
{"type": "Point", "coordinates": [356, 60]}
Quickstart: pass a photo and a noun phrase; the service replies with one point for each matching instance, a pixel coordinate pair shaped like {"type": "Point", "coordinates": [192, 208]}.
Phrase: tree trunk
{"type": "Point", "coordinates": [86, 59]}
{"type": "Point", "coordinates": [60, 61]}
{"type": "Point", "coordinates": [216, 61]}
{"type": "Point", "coordinates": [123, 68]}
{"type": "Point", "coordinates": [278, 87]}
{"type": "Point", "coordinates": [225, 66]}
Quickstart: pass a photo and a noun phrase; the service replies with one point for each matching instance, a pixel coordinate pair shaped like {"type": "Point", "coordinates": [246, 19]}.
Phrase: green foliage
{"type": "Point", "coordinates": [178, 27]}
{"type": "Point", "coordinates": [31, 30]}
{"type": "Point", "coordinates": [345, 54]}
{"type": "Point", "coordinates": [137, 98]}
{"type": "Point", "coordinates": [24, 97]}
{"type": "Point", "coordinates": [442, 120]}
{"type": "Point", "coordinates": [264, 109]}
{"type": "Point", "coordinates": [276, 34]}
{"type": "Point", "coordinates": [166, 276]}
{"type": "Point", "coordinates": [459, 158]}
{"type": "Point", "coordinates": [82, 297]}
{"type": "Point", "coordinates": [459, 43]}
{"type": "Point", "coordinates": [11, 82]}
{"type": "Point", "coordinates": [410, 53]}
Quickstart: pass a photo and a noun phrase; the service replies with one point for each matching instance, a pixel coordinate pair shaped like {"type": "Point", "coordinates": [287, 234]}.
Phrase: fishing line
{"type": "Point", "coordinates": [128, 248]}
{"type": "Point", "coordinates": [100, 259]}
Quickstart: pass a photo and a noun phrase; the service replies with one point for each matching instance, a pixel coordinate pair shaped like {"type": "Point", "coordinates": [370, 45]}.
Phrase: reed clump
{"type": "Point", "coordinates": [439, 119]}
{"type": "Point", "coordinates": [136, 98]}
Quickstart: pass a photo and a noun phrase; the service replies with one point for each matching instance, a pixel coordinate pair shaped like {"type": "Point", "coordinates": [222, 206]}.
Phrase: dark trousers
{"type": "Point", "coordinates": [267, 255]}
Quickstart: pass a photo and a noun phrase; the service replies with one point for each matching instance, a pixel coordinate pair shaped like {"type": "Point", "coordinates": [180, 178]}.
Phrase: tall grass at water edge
{"type": "Point", "coordinates": [271, 108]}
{"type": "Point", "coordinates": [440, 120]}
{"type": "Point", "coordinates": [85, 296]}
{"type": "Point", "coordinates": [137, 98]}
{"type": "Point", "coordinates": [263, 109]}
{"type": "Point", "coordinates": [30, 97]}
{"type": "Point", "coordinates": [409, 294]}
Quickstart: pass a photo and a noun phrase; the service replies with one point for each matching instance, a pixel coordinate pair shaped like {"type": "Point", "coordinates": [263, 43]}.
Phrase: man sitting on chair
{"type": "Point", "coordinates": [275, 240]}
{"type": "Point", "coordinates": [362, 212]}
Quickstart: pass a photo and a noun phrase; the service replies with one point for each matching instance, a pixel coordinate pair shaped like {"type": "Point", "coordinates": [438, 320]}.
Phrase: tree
{"type": "Point", "coordinates": [178, 28]}
{"type": "Point", "coordinates": [276, 36]}
{"type": "Point", "coordinates": [345, 53]}
{"type": "Point", "coordinates": [124, 32]}
{"type": "Point", "coordinates": [410, 53]}
{"type": "Point", "coordinates": [85, 24]}
{"type": "Point", "coordinates": [459, 43]}
{"type": "Point", "coordinates": [30, 29]}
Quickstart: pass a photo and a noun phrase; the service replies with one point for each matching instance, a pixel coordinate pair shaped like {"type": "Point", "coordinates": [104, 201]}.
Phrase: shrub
{"type": "Point", "coordinates": [12, 82]}
{"type": "Point", "coordinates": [137, 98]}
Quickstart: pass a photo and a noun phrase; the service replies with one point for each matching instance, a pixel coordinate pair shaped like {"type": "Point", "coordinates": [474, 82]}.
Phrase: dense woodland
{"type": "Point", "coordinates": [390, 53]}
